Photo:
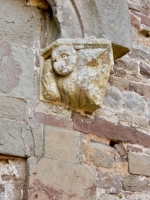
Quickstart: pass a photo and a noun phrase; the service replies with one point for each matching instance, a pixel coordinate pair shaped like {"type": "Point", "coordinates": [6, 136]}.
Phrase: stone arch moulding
{"type": "Point", "coordinates": [75, 68]}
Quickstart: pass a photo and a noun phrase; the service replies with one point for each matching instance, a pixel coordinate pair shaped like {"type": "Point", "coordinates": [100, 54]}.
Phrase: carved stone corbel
{"type": "Point", "coordinates": [75, 72]}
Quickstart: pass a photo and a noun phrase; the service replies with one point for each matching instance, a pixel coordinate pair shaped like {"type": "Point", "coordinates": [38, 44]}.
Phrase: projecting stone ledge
{"type": "Point", "coordinates": [109, 130]}
{"type": "Point", "coordinates": [75, 72]}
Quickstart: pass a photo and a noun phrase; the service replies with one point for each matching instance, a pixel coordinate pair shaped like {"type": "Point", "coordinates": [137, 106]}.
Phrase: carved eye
{"type": "Point", "coordinates": [64, 56]}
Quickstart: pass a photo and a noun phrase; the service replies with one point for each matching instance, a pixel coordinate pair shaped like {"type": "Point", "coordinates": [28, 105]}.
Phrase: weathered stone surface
{"type": "Point", "coordinates": [121, 149]}
{"type": "Point", "coordinates": [111, 183]}
{"type": "Point", "coordinates": [140, 51]}
{"type": "Point", "coordinates": [134, 149]}
{"type": "Point", "coordinates": [139, 164]}
{"type": "Point", "coordinates": [102, 159]}
{"type": "Point", "coordinates": [113, 97]}
{"type": "Point", "coordinates": [135, 184]}
{"type": "Point", "coordinates": [148, 109]}
{"type": "Point", "coordinates": [145, 69]}
{"type": "Point", "coordinates": [102, 146]}
{"type": "Point", "coordinates": [141, 122]}
{"type": "Point", "coordinates": [12, 108]}
{"type": "Point", "coordinates": [103, 128]}
{"type": "Point", "coordinates": [134, 102]}
{"type": "Point", "coordinates": [62, 144]}
{"type": "Point", "coordinates": [121, 83]}
{"type": "Point", "coordinates": [75, 19]}
{"type": "Point", "coordinates": [125, 117]}
{"type": "Point", "coordinates": [53, 120]}
{"type": "Point", "coordinates": [75, 72]}
{"type": "Point", "coordinates": [18, 23]}
{"type": "Point", "coordinates": [142, 89]}
{"type": "Point", "coordinates": [15, 139]}
{"type": "Point", "coordinates": [127, 63]}
{"type": "Point", "coordinates": [61, 180]}
{"type": "Point", "coordinates": [15, 79]}
{"type": "Point", "coordinates": [108, 197]}
{"type": "Point", "coordinates": [38, 137]}
{"type": "Point", "coordinates": [13, 178]}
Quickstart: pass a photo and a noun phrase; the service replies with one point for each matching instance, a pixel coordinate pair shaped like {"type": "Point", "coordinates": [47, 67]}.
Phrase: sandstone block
{"type": "Point", "coordinates": [134, 102]}
{"type": "Point", "coordinates": [111, 183]}
{"type": "Point", "coordinates": [134, 149]}
{"type": "Point", "coordinates": [102, 159]}
{"type": "Point", "coordinates": [61, 180]}
{"type": "Point", "coordinates": [142, 89]}
{"type": "Point", "coordinates": [135, 184]}
{"type": "Point", "coordinates": [53, 120]}
{"type": "Point", "coordinates": [110, 131]}
{"type": "Point", "coordinates": [16, 139]}
{"type": "Point", "coordinates": [145, 69]}
{"type": "Point", "coordinates": [121, 83]}
{"type": "Point", "coordinates": [139, 164]}
{"type": "Point", "coordinates": [12, 108]}
{"type": "Point", "coordinates": [113, 97]}
{"type": "Point", "coordinates": [61, 144]}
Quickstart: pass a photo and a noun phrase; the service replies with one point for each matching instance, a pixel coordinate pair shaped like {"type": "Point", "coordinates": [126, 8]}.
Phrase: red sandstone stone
{"type": "Point", "coordinates": [106, 129]}
{"type": "Point", "coordinates": [51, 120]}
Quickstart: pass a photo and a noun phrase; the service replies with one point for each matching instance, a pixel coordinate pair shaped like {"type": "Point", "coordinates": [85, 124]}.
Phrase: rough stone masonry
{"type": "Point", "coordinates": [49, 152]}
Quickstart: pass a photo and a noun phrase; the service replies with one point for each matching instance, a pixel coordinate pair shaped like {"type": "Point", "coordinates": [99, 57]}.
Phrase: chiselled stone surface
{"type": "Point", "coordinates": [62, 144]}
{"type": "Point", "coordinates": [110, 131]}
{"type": "Point", "coordinates": [148, 109]}
{"type": "Point", "coordinates": [60, 180]}
{"type": "Point", "coordinates": [74, 19]}
{"type": "Point", "coordinates": [12, 108]}
{"type": "Point", "coordinates": [139, 164]}
{"type": "Point", "coordinates": [77, 72]}
{"type": "Point", "coordinates": [15, 139]}
{"type": "Point", "coordinates": [135, 184]}
{"type": "Point", "coordinates": [108, 197]}
{"type": "Point", "coordinates": [111, 183]}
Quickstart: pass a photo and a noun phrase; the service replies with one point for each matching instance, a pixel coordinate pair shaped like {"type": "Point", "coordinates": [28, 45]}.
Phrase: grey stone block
{"type": "Point", "coordinates": [62, 144]}
{"type": "Point", "coordinates": [19, 23]}
{"type": "Point", "coordinates": [111, 183]}
{"type": "Point", "coordinates": [113, 97]}
{"type": "Point", "coordinates": [139, 164]}
{"type": "Point", "coordinates": [102, 159]}
{"type": "Point", "coordinates": [134, 102]}
{"type": "Point", "coordinates": [16, 69]}
{"type": "Point", "coordinates": [61, 180]}
{"type": "Point", "coordinates": [15, 139]}
{"type": "Point", "coordinates": [38, 137]}
{"type": "Point", "coordinates": [135, 184]}
{"type": "Point", "coordinates": [148, 109]}
{"type": "Point", "coordinates": [108, 197]}
{"type": "Point", "coordinates": [12, 108]}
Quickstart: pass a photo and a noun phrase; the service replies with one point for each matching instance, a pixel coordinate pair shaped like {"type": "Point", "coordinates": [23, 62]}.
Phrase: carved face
{"type": "Point", "coordinates": [64, 60]}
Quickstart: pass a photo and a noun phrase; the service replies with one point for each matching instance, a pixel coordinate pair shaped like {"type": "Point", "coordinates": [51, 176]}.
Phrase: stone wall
{"type": "Point", "coordinates": [69, 156]}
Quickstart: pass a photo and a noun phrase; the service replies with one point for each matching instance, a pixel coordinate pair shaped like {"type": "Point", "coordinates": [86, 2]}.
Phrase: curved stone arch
{"type": "Point", "coordinates": [100, 18]}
